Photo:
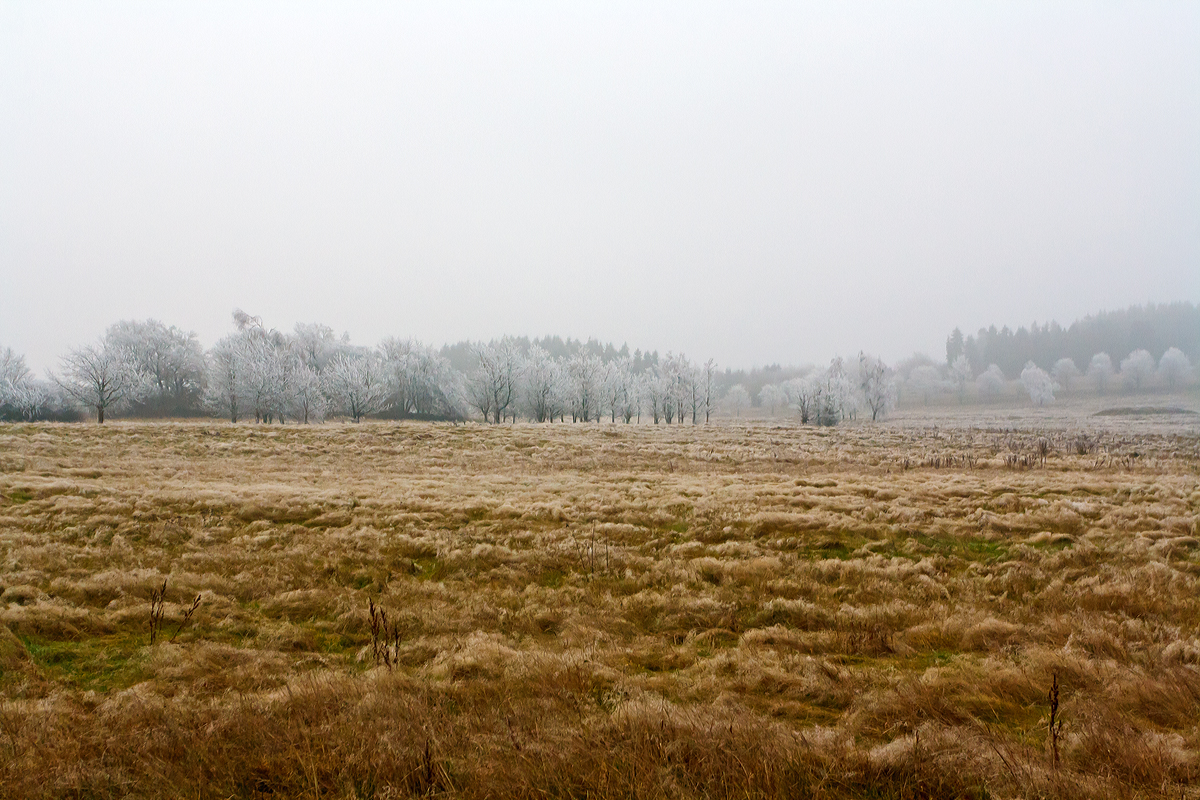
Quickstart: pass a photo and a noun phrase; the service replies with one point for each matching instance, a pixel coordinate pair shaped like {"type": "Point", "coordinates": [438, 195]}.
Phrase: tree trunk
{"type": "Point", "coordinates": [100, 415]}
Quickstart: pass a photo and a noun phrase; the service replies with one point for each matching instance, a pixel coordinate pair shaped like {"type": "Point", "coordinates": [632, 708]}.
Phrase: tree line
{"type": "Point", "coordinates": [1152, 328]}
{"type": "Point", "coordinates": [150, 369]}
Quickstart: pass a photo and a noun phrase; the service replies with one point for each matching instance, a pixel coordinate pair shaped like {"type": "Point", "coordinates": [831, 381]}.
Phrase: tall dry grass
{"type": "Point", "coordinates": [605, 611]}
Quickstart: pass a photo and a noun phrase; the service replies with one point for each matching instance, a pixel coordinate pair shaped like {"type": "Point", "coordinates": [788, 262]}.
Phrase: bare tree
{"type": "Point", "coordinates": [736, 399]}
{"type": "Point", "coordinates": [876, 384]}
{"type": "Point", "coordinates": [675, 371]}
{"type": "Point", "coordinates": [494, 386]}
{"type": "Point", "coordinates": [836, 398]}
{"type": "Point", "coordinates": [96, 377]}
{"type": "Point", "coordinates": [1100, 370]}
{"type": "Point", "coordinates": [655, 395]}
{"type": "Point", "coordinates": [802, 394]}
{"type": "Point", "coordinates": [710, 378]}
{"type": "Point", "coordinates": [694, 387]}
{"type": "Point", "coordinates": [629, 403]}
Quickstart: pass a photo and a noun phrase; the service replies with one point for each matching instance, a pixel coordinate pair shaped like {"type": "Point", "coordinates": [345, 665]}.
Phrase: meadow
{"type": "Point", "coordinates": [960, 606]}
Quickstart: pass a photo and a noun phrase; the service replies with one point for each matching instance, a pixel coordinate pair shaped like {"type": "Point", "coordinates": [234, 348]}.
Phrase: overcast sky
{"type": "Point", "coordinates": [755, 182]}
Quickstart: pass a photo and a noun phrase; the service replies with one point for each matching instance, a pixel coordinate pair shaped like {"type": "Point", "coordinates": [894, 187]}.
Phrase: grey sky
{"type": "Point", "coordinates": [756, 182]}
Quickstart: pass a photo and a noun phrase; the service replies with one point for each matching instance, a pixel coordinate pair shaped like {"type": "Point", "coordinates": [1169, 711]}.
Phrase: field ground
{"type": "Point", "coordinates": [741, 610]}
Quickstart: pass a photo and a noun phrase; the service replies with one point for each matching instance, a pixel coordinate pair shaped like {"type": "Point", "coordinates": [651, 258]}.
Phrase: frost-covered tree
{"type": "Point", "coordinates": [166, 363]}
{"type": "Point", "coordinates": [803, 393]}
{"type": "Point", "coordinates": [772, 397]}
{"type": "Point", "coordinates": [876, 385]}
{"type": "Point", "coordinates": [618, 386]}
{"type": "Point", "coordinates": [656, 395]}
{"type": "Point", "coordinates": [420, 380]}
{"type": "Point", "coordinates": [675, 375]}
{"type": "Point", "coordinates": [254, 372]}
{"type": "Point", "coordinates": [1038, 383]}
{"type": "Point", "coordinates": [224, 393]}
{"type": "Point", "coordinates": [543, 385]}
{"type": "Point", "coordinates": [1065, 373]}
{"type": "Point", "coordinates": [13, 376]}
{"type": "Point", "coordinates": [36, 399]}
{"type": "Point", "coordinates": [991, 382]}
{"type": "Point", "coordinates": [24, 397]}
{"type": "Point", "coordinates": [837, 394]}
{"type": "Point", "coordinates": [1174, 368]}
{"type": "Point", "coordinates": [12, 367]}
{"type": "Point", "coordinates": [631, 393]}
{"type": "Point", "coordinates": [649, 394]}
{"type": "Point", "coordinates": [317, 344]}
{"type": "Point", "coordinates": [307, 401]}
{"type": "Point", "coordinates": [96, 377]}
{"type": "Point", "coordinates": [960, 373]}
{"type": "Point", "coordinates": [355, 385]}
{"type": "Point", "coordinates": [736, 399]}
{"type": "Point", "coordinates": [494, 386]}
{"type": "Point", "coordinates": [585, 373]}
{"type": "Point", "coordinates": [1136, 368]}
{"type": "Point", "coordinates": [1100, 371]}
{"type": "Point", "coordinates": [710, 388]}
{"type": "Point", "coordinates": [693, 386]}
{"type": "Point", "coordinates": [268, 364]}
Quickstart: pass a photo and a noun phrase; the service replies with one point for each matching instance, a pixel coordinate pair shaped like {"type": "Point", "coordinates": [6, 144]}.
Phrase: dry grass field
{"type": "Point", "coordinates": [602, 611]}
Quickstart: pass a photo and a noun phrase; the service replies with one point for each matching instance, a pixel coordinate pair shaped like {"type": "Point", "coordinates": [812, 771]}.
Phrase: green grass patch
{"type": "Point", "coordinates": [100, 664]}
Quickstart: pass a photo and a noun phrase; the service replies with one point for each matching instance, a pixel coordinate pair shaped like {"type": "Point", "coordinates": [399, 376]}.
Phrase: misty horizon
{"type": "Point", "coordinates": [762, 184]}
{"type": "Point", "coordinates": [935, 355]}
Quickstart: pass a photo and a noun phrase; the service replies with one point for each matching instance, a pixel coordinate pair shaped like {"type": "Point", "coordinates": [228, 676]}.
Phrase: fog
{"type": "Point", "coordinates": [754, 182]}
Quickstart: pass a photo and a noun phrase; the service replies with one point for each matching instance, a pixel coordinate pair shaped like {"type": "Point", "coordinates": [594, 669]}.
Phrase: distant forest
{"type": "Point", "coordinates": [1152, 327]}
{"type": "Point", "coordinates": [463, 356]}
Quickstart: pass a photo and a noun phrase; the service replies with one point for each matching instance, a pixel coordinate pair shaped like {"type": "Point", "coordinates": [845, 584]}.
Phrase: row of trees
{"type": "Point", "coordinates": [1138, 371]}
{"type": "Point", "coordinates": [151, 369]}
{"type": "Point", "coordinates": [1153, 328]}
{"type": "Point", "coordinates": [841, 391]}
{"type": "Point", "coordinates": [511, 382]}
